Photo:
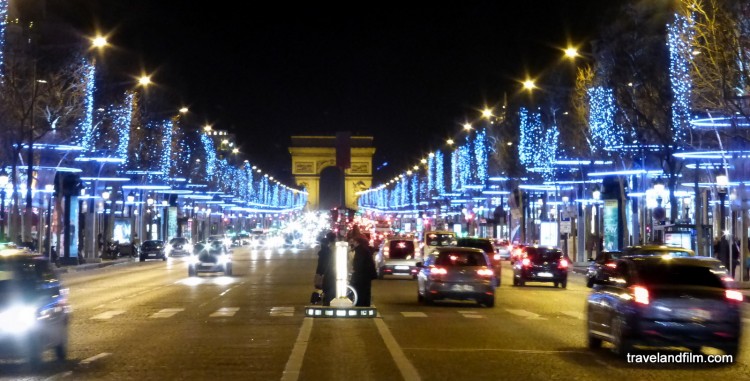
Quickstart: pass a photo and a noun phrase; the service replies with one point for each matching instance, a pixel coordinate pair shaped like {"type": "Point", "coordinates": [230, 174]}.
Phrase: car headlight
{"type": "Point", "coordinates": [187, 247]}
{"type": "Point", "coordinates": [17, 319]}
{"type": "Point", "coordinates": [194, 259]}
{"type": "Point", "coordinates": [223, 259]}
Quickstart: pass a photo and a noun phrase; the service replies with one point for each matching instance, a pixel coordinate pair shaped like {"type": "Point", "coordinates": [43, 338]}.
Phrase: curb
{"type": "Point", "coordinates": [92, 266]}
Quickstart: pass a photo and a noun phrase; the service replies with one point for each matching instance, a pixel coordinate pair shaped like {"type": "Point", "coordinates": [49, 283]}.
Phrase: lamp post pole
{"type": "Point", "coordinates": [48, 233]}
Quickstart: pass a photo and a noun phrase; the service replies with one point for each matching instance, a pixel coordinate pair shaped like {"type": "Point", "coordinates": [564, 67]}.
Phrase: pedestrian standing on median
{"type": "Point", "coordinates": [326, 268]}
{"type": "Point", "coordinates": [363, 271]}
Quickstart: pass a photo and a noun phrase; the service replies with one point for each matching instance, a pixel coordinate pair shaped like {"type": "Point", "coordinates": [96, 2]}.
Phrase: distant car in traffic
{"type": "Point", "coordinates": [598, 268]}
{"type": "Point", "coordinates": [435, 239]}
{"type": "Point", "coordinates": [541, 264]}
{"type": "Point", "coordinates": [503, 248]}
{"type": "Point", "coordinates": [484, 244]}
{"type": "Point", "coordinates": [34, 309]}
{"type": "Point", "coordinates": [153, 249]}
{"type": "Point", "coordinates": [398, 256]}
{"type": "Point", "coordinates": [179, 247]}
{"type": "Point", "coordinates": [459, 273]}
{"type": "Point", "coordinates": [650, 250]}
{"type": "Point", "coordinates": [665, 301]}
{"type": "Point", "coordinates": [210, 257]}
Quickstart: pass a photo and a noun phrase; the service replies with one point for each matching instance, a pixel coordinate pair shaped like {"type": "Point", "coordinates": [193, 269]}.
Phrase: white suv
{"type": "Point", "coordinates": [398, 256]}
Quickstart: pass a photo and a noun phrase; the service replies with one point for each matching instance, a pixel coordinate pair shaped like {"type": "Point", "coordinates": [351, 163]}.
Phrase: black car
{"type": "Point", "coordinates": [541, 264]}
{"type": "Point", "coordinates": [34, 310]}
{"type": "Point", "coordinates": [210, 257]}
{"type": "Point", "coordinates": [179, 247]}
{"type": "Point", "coordinates": [459, 273]}
{"type": "Point", "coordinates": [153, 249]}
{"type": "Point", "coordinates": [599, 269]}
{"type": "Point", "coordinates": [486, 245]}
{"type": "Point", "coordinates": [665, 301]}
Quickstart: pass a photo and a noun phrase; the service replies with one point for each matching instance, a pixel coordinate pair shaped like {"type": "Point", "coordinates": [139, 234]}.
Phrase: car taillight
{"type": "Point", "coordinates": [733, 295]}
{"type": "Point", "coordinates": [496, 257]}
{"type": "Point", "coordinates": [485, 272]}
{"type": "Point", "coordinates": [526, 262]}
{"type": "Point", "coordinates": [563, 264]}
{"type": "Point", "coordinates": [640, 294]}
{"type": "Point", "coordinates": [611, 265]}
{"type": "Point", "coordinates": [436, 273]}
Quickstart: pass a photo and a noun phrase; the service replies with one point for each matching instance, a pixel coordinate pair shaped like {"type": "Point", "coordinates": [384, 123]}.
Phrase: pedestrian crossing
{"type": "Point", "coordinates": [290, 311]}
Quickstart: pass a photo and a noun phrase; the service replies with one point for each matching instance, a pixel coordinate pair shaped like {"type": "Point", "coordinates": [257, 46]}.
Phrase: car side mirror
{"type": "Point", "coordinates": [591, 260]}
{"type": "Point", "coordinates": [420, 264]}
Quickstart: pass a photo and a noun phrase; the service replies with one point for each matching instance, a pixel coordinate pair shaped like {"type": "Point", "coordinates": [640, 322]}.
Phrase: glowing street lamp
{"type": "Point", "coordinates": [571, 52]}
{"type": "Point", "coordinates": [529, 85]}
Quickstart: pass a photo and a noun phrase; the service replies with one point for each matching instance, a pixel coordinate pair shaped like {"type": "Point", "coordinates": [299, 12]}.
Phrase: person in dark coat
{"type": "Point", "coordinates": [363, 271]}
{"type": "Point", "coordinates": [326, 267]}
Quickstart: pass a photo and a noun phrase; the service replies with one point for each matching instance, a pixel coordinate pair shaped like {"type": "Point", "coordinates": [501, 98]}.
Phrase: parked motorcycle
{"type": "Point", "coordinates": [112, 250]}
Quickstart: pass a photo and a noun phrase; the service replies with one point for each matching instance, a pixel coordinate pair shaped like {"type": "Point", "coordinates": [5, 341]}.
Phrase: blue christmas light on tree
{"type": "Point", "coordinates": [439, 172]}
{"type": "Point", "coordinates": [208, 148]}
{"type": "Point", "coordinates": [122, 122]}
{"type": "Point", "coordinates": [431, 173]}
{"type": "Point", "coordinates": [414, 188]}
{"type": "Point", "coordinates": [681, 35]}
{"type": "Point", "coordinates": [465, 166]}
{"type": "Point", "coordinates": [167, 129]}
{"type": "Point", "coordinates": [481, 155]}
{"type": "Point", "coordinates": [456, 184]}
{"type": "Point", "coordinates": [3, 29]}
{"type": "Point", "coordinates": [604, 132]}
{"type": "Point", "coordinates": [531, 130]}
{"type": "Point", "coordinates": [85, 131]}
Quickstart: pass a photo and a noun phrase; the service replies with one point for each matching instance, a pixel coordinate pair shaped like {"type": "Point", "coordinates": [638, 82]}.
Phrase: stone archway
{"type": "Point", "coordinates": [312, 154]}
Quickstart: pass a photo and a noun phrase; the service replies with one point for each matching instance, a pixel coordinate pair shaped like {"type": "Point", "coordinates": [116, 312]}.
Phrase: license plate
{"type": "Point", "coordinates": [693, 314]}
{"type": "Point", "coordinates": [544, 275]}
{"type": "Point", "coordinates": [151, 255]}
{"type": "Point", "coordinates": [462, 287]}
{"type": "Point", "coordinates": [402, 267]}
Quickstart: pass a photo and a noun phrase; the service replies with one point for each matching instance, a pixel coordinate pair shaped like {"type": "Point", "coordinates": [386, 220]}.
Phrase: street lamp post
{"type": "Point", "coordinates": [50, 188]}
{"type": "Point", "coordinates": [722, 183]}
{"type": "Point", "coordinates": [596, 194]}
{"type": "Point", "coordinates": [3, 184]}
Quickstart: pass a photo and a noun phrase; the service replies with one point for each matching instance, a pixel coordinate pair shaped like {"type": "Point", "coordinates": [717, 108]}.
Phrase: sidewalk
{"type": "Point", "coordinates": [744, 287]}
{"type": "Point", "coordinates": [94, 263]}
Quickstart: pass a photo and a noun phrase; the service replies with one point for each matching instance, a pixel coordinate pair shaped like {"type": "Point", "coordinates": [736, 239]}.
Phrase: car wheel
{"type": "Point", "coordinates": [521, 282]}
{"type": "Point", "coordinates": [564, 283]}
{"type": "Point", "coordinates": [191, 271]}
{"type": "Point", "coordinates": [420, 298]}
{"type": "Point", "coordinates": [556, 284]}
{"type": "Point", "coordinates": [489, 301]}
{"type": "Point", "coordinates": [380, 273]}
{"type": "Point", "coordinates": [428, 300]}
{"type": "Point", "coordinates": [590, 282]}
{"type": "Point", "coordinates": [731, 350]}
{"type": "Point", "coordinates": [163, 257]}
{"type": "Point", "coordinates": [142, 259]}
{"type": "Point", "coordinates": [228, 269]}
{"type": "Point", "coordinates": [594, 342]}
{"type": "Point", "coordinates": [515, 281]}
{"type": "Point", "coordinates": [622, 345]}
{"type": "Point", "coordinates": [34, 352]}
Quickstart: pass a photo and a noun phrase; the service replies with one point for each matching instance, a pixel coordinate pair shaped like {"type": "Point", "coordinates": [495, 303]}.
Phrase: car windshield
{"type": "Point", "coordinates": [485, 245]}
{"type": "Point", "coordinates": [683, 275]}
{"type": "Point", "coordinates": [15, 272]}
{"type": "Point", "coordinates": [400, 249]}
{"type": "Point", "coordinates": [460, 258]}
{"type": "Point", "coordinates": [178, 241]}
{"type": "Point", "coordinates": [655, 252]}
{"type": "Point", "coordinates": [540, 254]}
{"type": "Point", "coordinates": [151, 244]}
{"type": "Point", "coordinates": [437, 239]}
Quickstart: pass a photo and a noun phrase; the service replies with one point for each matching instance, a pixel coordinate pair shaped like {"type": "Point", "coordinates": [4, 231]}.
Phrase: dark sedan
{"type": "Point", "coordinates": [153, 249]}
{"type": "Point", "coordinates": [665, 301]}
{"type": "Point", "coordinates": [599, 269]}
{"type": "Point", "coordinates": [541, 264]}
{"type": "Point", "coordinates": [460, 273]}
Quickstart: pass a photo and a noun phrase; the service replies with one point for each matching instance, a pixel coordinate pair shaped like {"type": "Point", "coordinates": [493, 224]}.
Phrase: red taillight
{"type": "Point", "coordinates": [496, 257]}
{"type": "Point", "coordinates": [485, 272]}
{"type": "Point", "coordinates": [640, 294]}
{"type": "Point", "coordinates": [611, 265]}
{"type": "Point", "coordinates": [526, 262]}
{"type": "Point", "coordinates": [563, 264]}
{"type": "Point", "coordinates": [438, 271]}
{"type": "Point", "coordinates": [733, 295]}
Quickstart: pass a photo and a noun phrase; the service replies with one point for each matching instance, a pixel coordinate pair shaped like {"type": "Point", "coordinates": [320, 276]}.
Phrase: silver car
{"type": "Point", "coordinates": [460, 273]}
{"type": "Point", "coordinates": [398, 256]}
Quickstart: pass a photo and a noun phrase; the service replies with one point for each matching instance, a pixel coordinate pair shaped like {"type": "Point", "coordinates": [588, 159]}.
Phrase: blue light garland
{"type": "Point", "coordinates": [481, 155]}
{"type": "Point", "coordinates": [208, 148]}
{"type": "Point", "coordinates": [167, 130]}
{"type": "Point", "coordinates": [85, 131]}
{"type": "Point", "coordinates": [123, 123]}
{"type": "Point", "coordinates": [3, 29]}
{"type": "Point", "coordinates": [455, 171]}
{"type": "Point", "coordinates": [604, 133]}
{"type": "Point", "coordinates": [439, 172]}
{"type": "Point", "coordinates": [680, 39]}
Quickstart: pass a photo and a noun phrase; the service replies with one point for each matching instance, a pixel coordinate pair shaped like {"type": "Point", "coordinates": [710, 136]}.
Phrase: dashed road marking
{"type": "Point", "coordinates": [107, 315]}
{"type": "Point", "coordinates": [526, 314]}
{"type": "Point", "coordinates": [573, 314]}
{"type": "Point", "coordinates": [225, 312]}
{"type": "Point", "coordinates": [471, 314]}
{"type": "Point", "coordinates": [413, 314]}
{"type": "Point", "coordinates": [282, 311]}
{"type": "Point", "coordinates": [94, 358]}
{"type": "Point", "coordinates": [166, 313]}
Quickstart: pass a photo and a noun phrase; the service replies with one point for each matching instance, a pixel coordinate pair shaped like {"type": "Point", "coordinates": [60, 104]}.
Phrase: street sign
{"type": "Point", "coordinates": [565, 227]}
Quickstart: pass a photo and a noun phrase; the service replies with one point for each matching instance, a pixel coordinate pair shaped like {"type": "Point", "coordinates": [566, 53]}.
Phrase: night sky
{"type": "Point", "coordinates": [409, 75]}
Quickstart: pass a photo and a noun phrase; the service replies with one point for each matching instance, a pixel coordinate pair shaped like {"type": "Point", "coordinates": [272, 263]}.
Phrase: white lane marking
{"type": "Point", "coordinates": [414, 314]}
{"type": "Point", "coordinates": [225, 312]}
{"type": "Point", "coordinates": [471, 314]}
{"type": "Point", "coordinates": [282, 311]}
{"type": "Point", "coordinates": [107, 315]}
{"type": "Point", "coordinates": [574, 314]}
{"type": "Point", "coordinates": [166, 313]}
{"type": "Point", "coordinates": [526, 314]}
{"type": "Point", "coordinates": [408, 371]}
{"type": "Point", "coordinates": [294, 364]}
{"type": "Point", "coordinates": [94, 358]}
{"type": "Point", "coordinates": [59, 376]}
{"type": "Point", "coordinates": [100, 306]}
{"type": "Point", "coordinates": [532, 351]}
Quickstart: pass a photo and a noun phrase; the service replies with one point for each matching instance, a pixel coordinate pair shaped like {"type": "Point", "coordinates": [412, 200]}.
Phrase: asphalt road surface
{"type": "Point", "coordinates": [150, 321]}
